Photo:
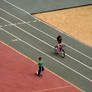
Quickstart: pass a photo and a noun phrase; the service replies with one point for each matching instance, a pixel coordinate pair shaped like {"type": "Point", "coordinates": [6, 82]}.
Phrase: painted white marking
{"type": "Point", "coordinates": [19, 23]}
{"type": "Point", "coordinates": [42, 31]}
{"type": "Point", "coordinates": [5, 25]}
{"type": "Point", "coordinates": [14, 40]}
{"type": "Point", "coordinates": [47, 55]}
{"type": "Point", "coordinates": [46, 43]}
{"type": "Point", "coordinates": [35, 21]}
{"type": "Point", "coordinates": [29, 22]}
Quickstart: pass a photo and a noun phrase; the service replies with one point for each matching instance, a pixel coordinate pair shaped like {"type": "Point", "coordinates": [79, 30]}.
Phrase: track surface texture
{"type": "Point", "coordinates": [33, 38]}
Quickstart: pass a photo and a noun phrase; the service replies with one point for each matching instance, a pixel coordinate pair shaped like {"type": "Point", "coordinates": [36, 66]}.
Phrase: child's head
{"type": "Point", "coordinates": [39, 58]}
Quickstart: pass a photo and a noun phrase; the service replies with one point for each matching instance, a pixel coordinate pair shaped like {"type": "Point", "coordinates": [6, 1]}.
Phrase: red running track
{"type": "Point", "coordinates": [17, 74]}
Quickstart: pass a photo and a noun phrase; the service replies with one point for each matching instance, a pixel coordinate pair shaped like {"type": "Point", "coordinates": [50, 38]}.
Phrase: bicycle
{"type": "Point", "coordinates": [62, 51]}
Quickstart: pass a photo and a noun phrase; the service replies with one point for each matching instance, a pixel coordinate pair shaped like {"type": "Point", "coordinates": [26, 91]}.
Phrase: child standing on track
{"type": "Point", "coordinates": [41, 67]}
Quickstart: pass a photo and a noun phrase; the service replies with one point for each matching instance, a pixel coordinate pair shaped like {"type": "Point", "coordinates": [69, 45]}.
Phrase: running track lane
{"type": "Point", "coordinates": [17, 74]}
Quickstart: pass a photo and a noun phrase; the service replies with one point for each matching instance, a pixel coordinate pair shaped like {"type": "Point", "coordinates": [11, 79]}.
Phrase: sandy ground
{"type": "Point", "coordinates": [76, 22]}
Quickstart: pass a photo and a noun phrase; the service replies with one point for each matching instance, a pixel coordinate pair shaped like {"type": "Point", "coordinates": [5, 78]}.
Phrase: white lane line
{"type": "Point", "coordinates": [35, 21]}
{"type": "Point", "coordinates": [44, 32]}
{"type": "Point", "coordinates": [14, 40]}
{"type": "Point", "coordinates": [28, 24]}
{"type": "Point", "coordinates": [27, 33]}
{"type": "Point", "coordinates": [18, 23]}
{"type": "Point", "coordinates": [47, 44]}
{"type": "Point", "coordinates": [47, 55]}
{"type": "Point", "coordinates": [44, 41]}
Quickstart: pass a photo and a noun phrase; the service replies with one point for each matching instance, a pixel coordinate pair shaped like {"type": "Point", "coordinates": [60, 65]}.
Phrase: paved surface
{"type": "Point", "coordinates": [36, 6]}
{"type": "Point", "coordinates": [34, 38]}
{"type": "Point", "coordinates": [21, 77]}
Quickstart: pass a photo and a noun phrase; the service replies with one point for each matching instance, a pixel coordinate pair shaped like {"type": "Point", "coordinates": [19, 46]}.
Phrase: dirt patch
{"type": "Point", "coordinates": [76, 22]}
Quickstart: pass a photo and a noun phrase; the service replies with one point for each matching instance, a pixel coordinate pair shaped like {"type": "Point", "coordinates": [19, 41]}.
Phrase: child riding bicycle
{"type": "Point", "coordinates": [59, 44]}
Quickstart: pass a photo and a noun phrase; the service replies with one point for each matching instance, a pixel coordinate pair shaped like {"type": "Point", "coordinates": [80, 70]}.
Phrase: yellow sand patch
{"type": "Point", "coordinates": [76, 22]}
